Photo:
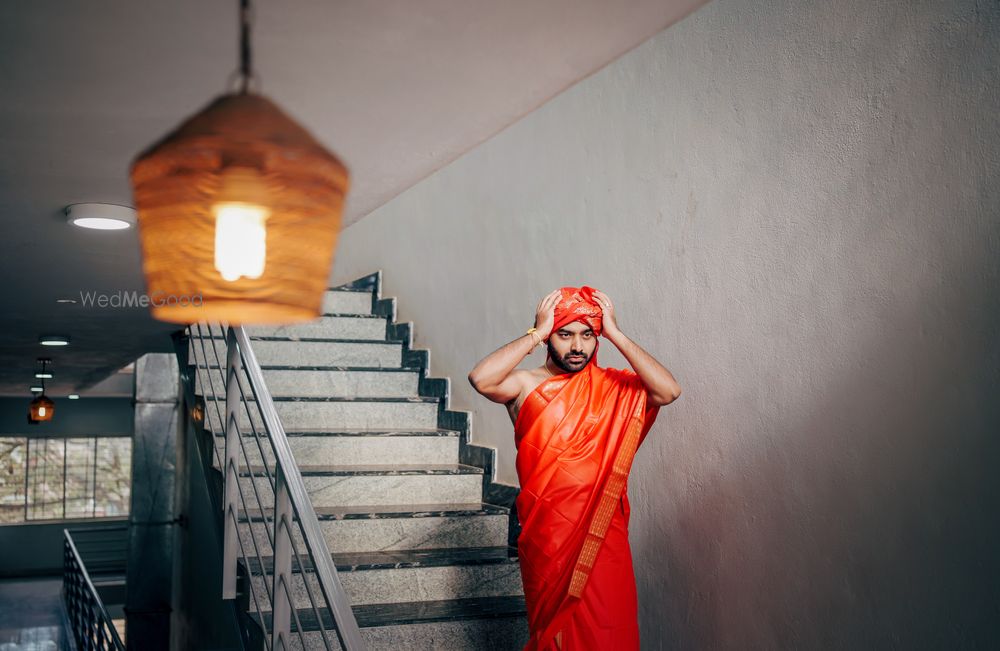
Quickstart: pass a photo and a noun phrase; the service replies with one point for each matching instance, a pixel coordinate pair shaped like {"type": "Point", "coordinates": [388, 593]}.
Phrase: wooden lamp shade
{"type": "Point", "coordinates": [41, 408]}
{"type": "Point", "coordinates": [240, 150]}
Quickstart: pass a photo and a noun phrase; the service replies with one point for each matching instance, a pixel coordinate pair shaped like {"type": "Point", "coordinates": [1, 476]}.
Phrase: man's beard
{"type": "Point", "coordinates": [564, 364]}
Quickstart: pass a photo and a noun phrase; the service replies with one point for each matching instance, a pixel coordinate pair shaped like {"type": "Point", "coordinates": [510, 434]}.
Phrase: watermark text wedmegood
{"type": "Point", "coordinates": [123, 299]}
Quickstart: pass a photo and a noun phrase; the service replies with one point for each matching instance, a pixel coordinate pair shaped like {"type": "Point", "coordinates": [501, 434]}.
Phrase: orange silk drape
{"type": "Point", "coordinates": [576, 434]}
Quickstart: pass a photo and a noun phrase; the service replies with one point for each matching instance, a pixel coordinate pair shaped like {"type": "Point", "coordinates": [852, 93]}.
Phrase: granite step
{"type": "Point", "coordinates": [336, 413]}
{"type": "Point", "coordinates": [480, 623]}
{"type": "Point", "coordinates": [347, 326]}
{"type": "Point", "coordinates": [301, 352]}
{"type": "Point", "coordinates": [404, 575]}
{"type": "Point", "coordinates": [330, 383]}
{"type": "Point", "coordinates": [347, 301]}
{"type": "Point", "coordinates": [347, 486]}
{"type": "Point", "coordinates": [390, 527]}
{"type": "Point", "coordinates": [358, 447]}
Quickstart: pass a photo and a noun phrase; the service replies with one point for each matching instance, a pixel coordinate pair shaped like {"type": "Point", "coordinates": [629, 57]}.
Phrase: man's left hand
{"type": "Point", "coordinates": [608, 323]}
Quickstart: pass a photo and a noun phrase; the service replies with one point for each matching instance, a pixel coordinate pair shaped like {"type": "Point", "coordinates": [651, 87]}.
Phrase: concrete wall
{"type": "Point", "coordinates": [795, 208]}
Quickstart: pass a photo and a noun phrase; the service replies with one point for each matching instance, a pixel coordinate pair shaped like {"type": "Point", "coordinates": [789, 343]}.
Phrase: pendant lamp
{"type": "Point", "coordinates": [239, 211]}
{"type": "Point", "coordinates": [41, 408]}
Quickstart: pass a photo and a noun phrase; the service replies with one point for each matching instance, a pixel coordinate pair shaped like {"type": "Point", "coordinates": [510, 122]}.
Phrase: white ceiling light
{"type": "Point", "coordinates": [36, 388]}
{"type": "Point", "coordinates": [100, 216]}
{"type": "Point", "coordinates": [73, 396]}
{"type": "Point", "coordinates": [53, 340]}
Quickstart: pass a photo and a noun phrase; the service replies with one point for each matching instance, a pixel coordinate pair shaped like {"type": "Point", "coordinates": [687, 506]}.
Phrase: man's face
{"type": "Point", "coordinates": [571, 346]}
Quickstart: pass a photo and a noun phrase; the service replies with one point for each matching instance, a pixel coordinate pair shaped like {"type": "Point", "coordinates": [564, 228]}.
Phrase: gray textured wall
{"type": "Point", "coordinates": [795, 207]}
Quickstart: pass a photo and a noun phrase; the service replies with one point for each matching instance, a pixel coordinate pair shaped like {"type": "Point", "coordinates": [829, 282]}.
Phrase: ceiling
{"type": "Point", "coordinates": [396, 88]}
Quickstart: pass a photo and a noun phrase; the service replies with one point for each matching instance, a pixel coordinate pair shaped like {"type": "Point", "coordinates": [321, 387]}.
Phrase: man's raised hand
{"type": "Point", "coordinates": [608, 322]}
{"type": "Point", "coordinates": [545, 314]}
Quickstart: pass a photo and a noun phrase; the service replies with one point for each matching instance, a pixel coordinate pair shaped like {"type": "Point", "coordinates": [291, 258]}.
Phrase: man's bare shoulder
{"type": "Point", "coordinates": [527, 379]}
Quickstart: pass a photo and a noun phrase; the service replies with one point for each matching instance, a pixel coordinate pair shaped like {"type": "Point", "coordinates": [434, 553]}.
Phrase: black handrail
{"type": "Point", "coordinates": [92, 626]}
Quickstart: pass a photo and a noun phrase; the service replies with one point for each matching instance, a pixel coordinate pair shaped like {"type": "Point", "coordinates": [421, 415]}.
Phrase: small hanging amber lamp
{"type": "Point", "coordinates": [238, 212]}
{"type": "Point", "coordinates": [41, 408]}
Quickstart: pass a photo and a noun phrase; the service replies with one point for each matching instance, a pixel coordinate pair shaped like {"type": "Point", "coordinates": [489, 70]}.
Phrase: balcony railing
{"type": "Point", "coordinates": [92, 626]}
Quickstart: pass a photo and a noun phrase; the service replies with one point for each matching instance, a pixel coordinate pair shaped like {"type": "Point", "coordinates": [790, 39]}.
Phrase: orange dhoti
{"type": "Point", "coordinates": [576, 435]}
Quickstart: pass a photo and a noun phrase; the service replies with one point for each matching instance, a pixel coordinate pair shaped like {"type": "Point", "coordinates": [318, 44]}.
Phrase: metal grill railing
{"type": "Point", "coordinates": [92, 626]}
{"type": "Point", "coordinates": [282, 547]}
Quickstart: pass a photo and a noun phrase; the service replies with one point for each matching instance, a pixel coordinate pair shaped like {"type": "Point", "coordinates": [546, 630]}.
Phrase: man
{"type": "Point", "coordinates": [576, 427]}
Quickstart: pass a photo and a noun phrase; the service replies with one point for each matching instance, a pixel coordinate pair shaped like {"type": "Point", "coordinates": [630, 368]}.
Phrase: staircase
{"type": "Point", "coordinates": [419, 533]}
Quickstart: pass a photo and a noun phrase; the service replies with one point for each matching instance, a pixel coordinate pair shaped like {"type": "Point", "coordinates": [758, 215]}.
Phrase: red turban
{"type": "Point", "coordinates": [578, 304]}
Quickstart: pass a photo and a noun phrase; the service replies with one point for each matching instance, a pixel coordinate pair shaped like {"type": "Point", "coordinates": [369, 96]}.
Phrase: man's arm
{"type": "Point", "coordinates": [494, 376]}
{"type": "Point", "coordinates": [660, 384]}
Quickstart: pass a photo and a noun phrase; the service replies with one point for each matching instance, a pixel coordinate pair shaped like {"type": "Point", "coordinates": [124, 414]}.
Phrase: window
{"type": "Point", "coordinates": [55, 479]}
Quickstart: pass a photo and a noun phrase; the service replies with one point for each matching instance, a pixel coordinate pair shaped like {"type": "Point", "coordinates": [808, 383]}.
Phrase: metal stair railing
{"type": "Point", "coordinates": [92, 626]}
{"type": "Point", "coordinates": [276, 475]}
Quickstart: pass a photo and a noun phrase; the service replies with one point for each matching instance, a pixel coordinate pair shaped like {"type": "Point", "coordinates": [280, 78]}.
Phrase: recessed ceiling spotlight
{"type": "Point", "coordinates": [43, 375]}
{"type": "Point", "coordinates": [73, 396]}
{"type": "Point", "coordinates": [66, 300]}
{"type": "Point", "coordinates": [54, 340]}
{"type": "Point", "coordinates": [36, 388]}
{"type": "Point", "coordinates": [100, 216]}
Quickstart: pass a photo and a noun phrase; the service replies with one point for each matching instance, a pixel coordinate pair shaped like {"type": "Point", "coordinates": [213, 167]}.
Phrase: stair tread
{"type": "Point", "coordinates": [351, 315]}
{"type": "Point", "coordinates": [438, 432]}
{"type": "Point", "coordinates": [416, 612]}
{"type": "Point", "coordinates": [381, 469]}
{"type": "Point", "coordinates": [376, 512]}
{"type": "Point", "coordinates": [405, 558]}
{"type": "Point", "coordinates": [414, 399]}
{"type": "Point", "coordinates": [291, 338]}
{"type": "Point", "coordinates": [307, 367]}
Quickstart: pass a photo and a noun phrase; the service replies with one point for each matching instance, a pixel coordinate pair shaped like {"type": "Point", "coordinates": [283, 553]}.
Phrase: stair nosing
{"type": "Point", "coordinates": [352, 290]}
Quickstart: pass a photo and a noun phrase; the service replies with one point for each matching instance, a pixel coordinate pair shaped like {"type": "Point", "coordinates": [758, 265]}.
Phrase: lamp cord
{"type": "Point", "coordinates": [246, 68]}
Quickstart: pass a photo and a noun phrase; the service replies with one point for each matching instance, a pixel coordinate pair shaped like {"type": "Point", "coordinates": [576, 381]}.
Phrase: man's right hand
{"type": "Point", "coordinates": [545, 314]}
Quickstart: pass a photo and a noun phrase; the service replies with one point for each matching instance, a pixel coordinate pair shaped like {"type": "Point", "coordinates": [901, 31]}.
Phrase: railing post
{"type": "Point", "coordinates": [281, 597]}
{"type": "Point", "coordinates": [231, 514]}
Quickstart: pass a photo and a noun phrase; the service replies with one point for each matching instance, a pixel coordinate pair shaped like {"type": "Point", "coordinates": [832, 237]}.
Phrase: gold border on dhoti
{"type": "Point", "coordinates": [609, 498]}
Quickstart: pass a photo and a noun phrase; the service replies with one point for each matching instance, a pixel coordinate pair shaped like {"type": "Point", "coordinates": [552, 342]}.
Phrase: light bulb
{"type": "Point", "coordinates": [41, 412]}
{"type": "Point", "coordinates": [240, 231]}
{"type": "Point", "coordinates": [240, 240]}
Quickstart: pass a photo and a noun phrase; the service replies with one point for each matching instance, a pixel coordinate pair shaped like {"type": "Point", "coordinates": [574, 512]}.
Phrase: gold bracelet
{"type": "Point", "coordinates": [531, 331]}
